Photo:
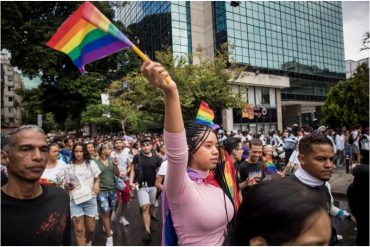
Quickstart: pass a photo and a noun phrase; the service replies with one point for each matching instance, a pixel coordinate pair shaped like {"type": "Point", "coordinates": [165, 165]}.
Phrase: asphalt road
{"type": "Point", "coordinates": [132, 234]}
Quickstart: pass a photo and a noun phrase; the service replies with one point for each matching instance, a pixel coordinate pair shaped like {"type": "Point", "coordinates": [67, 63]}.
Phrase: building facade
{"type": "Point", "coordinates": [293, 50]}
{"type": "Point", "coordinates": [10, 101]}
{"type": "Point", "coordinates": [351, 66]}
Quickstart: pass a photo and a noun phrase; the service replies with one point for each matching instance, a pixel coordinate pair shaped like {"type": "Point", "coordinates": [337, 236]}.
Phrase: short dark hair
{"type": "Point", "coordinates": [276, 210]}
{"type": "Point", "coordinates": [305, 144]}
{"type": "Point", "coordinates": [255, 142]}
{"type": "Point", "coordinates": [146, 139]}
{"type": "Point", "coordinates": [67, 139]}
{"type": "Point", "coordinates": [54, 144]}
{"type": "Point", "coordinates": [231, 143]}
{"type": "Point", "coordinates": [116, 140]}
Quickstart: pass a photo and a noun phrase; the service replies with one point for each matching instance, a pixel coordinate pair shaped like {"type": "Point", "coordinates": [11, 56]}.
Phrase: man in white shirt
{"type": "Point", "coordinates": [122, 153]}
{"type": "Point", "coordinates": [356, 135]}
{"type": "Point", "coordinates": [339, 141]}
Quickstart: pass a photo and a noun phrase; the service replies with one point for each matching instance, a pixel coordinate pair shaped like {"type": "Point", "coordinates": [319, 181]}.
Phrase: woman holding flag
{"type": "Point", "coordinates": [198, 200]}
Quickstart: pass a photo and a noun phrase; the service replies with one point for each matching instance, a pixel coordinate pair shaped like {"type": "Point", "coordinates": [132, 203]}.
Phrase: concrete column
{"type": "Point", "coordinates": [202, 28]}
{"type": "Point", "coordinates": [227, 119]}
{"type": "Point", "coordinates": [278, 109]}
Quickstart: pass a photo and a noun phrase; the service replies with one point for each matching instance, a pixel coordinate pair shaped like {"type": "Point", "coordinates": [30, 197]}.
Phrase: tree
{"type": "Point", "coordinates": [127, 116]}
{"type": "Point", "coordinates": [347, 103]}
{"type": "Point", "coordinates": [365, 42]}
{"type": "Point", "coordinates": [205, 81]}
{"type": "Point", "coordinates": [65, 93]}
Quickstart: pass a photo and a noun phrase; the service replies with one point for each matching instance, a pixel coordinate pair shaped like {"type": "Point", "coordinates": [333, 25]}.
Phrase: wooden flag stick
{"type": "Point", "coordinates": [145, 58]}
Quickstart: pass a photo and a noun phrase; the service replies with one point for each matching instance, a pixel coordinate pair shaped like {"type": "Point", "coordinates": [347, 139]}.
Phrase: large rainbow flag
{"type": "Point", "coordinates": [205, 115]}
{"type": "Point", "coordinates": [230, 176]}
{"type": "Point", "coordinates": [87, 35]}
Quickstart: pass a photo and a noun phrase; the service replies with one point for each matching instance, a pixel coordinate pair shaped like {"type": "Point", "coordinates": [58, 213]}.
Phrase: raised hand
{"type": "Point", "coordinates": [156, 74]}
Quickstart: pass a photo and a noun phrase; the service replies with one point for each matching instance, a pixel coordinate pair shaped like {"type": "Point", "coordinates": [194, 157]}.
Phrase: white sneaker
{"type": "Point", "coordinates": [109, 241]}
{"type": "Point", "coordinates": [124, 222]}
{"type": "Point", "coordinates": [111, 231]}
{"type": "Point", "coordinates": [89, 243]}
{"type": "Point", "coordinates": [339, 237]}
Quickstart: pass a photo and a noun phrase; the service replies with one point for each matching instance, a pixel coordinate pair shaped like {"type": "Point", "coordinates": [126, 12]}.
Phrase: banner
{"type": "Point", "coordinates": [250, 111]}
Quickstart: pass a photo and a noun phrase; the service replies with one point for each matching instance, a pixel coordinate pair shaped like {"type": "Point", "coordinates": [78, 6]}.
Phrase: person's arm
{"type": "Point", "coordinates": [96, 186]}
{"type": "Point", "coordinates": [129, 167]}
{"type": "Point", "coordinates": [249, 181]}
{"type": "Point", "coordinates": [128, 171]}
{"type": "Point", "coordinates": [334, 210]}
{"type": "Point", "coordinates": [132, 176]}
{"type": "Point", "coordinates": [135, 161]}
{"type": "Point", "coordinates": [174, 131]}
{"type": "Point", "coordinates": [158, 182]}
{"type": "Point", "coordinates": [115, 166]}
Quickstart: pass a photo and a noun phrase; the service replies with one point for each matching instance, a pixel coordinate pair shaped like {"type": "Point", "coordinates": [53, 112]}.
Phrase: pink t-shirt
{"type": "Point", "coordinates": [197, 209]}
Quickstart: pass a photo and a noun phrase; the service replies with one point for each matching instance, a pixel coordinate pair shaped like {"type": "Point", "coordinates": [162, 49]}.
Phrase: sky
{"type": "Point", "coordinates": [355, 24]}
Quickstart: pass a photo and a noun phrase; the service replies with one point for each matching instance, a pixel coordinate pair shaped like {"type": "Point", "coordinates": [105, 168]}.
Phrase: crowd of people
{"type": "Point", "coordinates": [54, 183]}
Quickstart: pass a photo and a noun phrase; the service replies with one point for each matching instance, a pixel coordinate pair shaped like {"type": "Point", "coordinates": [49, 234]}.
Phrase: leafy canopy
{"type": "Point", "coordinates": [63, 92]}
{"type": "Point", "coordinates": [141, 104]}
{"type": "Point", "coordinates": [347, 103]}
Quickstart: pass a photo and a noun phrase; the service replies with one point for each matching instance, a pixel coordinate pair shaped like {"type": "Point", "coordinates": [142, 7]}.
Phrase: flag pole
{"type": "Point", "coordinates": [145, 58]}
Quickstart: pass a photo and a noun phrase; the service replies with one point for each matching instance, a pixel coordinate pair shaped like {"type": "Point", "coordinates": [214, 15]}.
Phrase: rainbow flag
{"type": "Point", "coordinates": [87, 35]}
{"type": "Point", "coordinates": [270, 167]}
{"type": "Point", "coordinates": [230, 176]}
{"type": "Point", "coordinates": [205, 115]}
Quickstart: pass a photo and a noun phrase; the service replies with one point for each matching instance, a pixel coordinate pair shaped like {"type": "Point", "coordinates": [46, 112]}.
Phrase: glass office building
{"type": "Point", "coordinates": [293, 50]}
{"type": "Point", "coordinates": [159, 25]}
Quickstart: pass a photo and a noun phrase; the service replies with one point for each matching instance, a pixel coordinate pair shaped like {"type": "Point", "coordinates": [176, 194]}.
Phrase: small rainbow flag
{"type": "Point", "coordinates": [87, 35]}
{"type": "Point", "coordinates": [205, 115]}
{"type": "Point", "coordinates": [270, 167]}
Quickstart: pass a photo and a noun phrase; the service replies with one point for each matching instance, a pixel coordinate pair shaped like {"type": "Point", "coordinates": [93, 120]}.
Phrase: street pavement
{"type": "Point", "coordinates": [340, 180]}
{"type": "Point", "coordinates": [132, 235]}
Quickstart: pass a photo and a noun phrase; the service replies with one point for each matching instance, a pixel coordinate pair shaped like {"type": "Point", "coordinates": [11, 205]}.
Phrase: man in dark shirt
{"type": "Point", "coordinates": [251, 171]}
{"type": "Point", "coordinates": [316, 156]}
{"type": "Point", "coordinates": [32, 214]}
{"type": "Point", "coordinates": [143, 176]}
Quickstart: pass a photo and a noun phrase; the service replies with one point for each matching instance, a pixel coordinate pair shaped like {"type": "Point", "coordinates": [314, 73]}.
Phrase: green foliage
{"type": "Point", "coordinates": [347, 103]}
{"type": "Point", "coordinates": [365, 42]}
{"type": "Point", "coordinates": [143, 105]}
{"type": "Point", "coordinates": [31, 104]}
{"type": "Point", "coordinates": [63, 92]}
{"type": "Point", "coordinates": [98, 114]}
{"type": "Point", "coordinates": [49, 123]}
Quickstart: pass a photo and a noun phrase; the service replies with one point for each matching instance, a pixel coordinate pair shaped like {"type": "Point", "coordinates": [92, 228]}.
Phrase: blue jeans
{"type": "Point", "coordinates": [347, 150]}
{"type": "Point", "coordinates": [107, 201]}
{"type": "Point", "coordinates": [88, 208]}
